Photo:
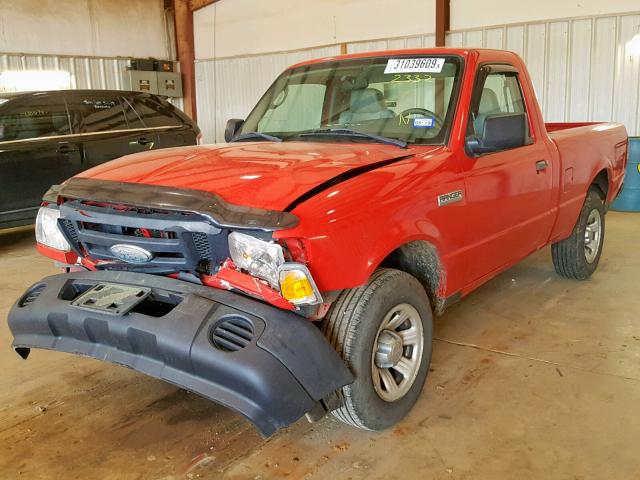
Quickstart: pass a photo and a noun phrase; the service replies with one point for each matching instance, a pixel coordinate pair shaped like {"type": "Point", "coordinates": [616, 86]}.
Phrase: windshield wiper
{"type": "Point", "coordinates": [254, 136]}
{"type": "Point", "coordinates": [347, 132]}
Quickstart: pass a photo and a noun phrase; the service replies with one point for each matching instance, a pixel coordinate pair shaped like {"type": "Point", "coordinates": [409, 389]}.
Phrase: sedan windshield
{"type": "Point", "coordinates": [402, 98]}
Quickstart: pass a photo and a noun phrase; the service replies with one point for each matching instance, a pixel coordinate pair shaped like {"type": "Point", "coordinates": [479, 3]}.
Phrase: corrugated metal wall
{"type": "Point", "coordinates": [423, 41]}
{"type": "Point", "coordinates": [101, 73]}
{"type": "Point", "coordinates": [87, 72]}
{"type": "Point", "coordinates": [582, 69]}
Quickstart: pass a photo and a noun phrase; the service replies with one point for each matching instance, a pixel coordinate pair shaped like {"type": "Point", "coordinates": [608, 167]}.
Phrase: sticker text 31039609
{"type": "Point", "coordinates": [414, 65]}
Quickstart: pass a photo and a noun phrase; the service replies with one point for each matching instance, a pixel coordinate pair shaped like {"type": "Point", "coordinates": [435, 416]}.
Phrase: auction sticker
{"type": "Point", "coordinates": [414, 65]}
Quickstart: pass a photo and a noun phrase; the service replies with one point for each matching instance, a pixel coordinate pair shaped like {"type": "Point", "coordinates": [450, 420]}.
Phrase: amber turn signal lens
{"type": "Point", "coordinates": [296, 287]}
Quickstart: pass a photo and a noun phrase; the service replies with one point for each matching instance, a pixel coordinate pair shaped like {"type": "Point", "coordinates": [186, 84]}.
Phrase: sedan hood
{"type": "Point", "coordinates": [258, 174]}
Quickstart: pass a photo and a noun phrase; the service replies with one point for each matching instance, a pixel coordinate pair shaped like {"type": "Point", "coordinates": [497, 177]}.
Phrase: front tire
{"type": "Point", "coordinates": [383, 331]}
{"type": "Point", "coordinates": [578, 256]}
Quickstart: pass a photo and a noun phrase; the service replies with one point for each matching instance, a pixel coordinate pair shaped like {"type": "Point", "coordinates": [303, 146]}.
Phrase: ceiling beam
{"type": "Point", "coordinates": [442, 21]}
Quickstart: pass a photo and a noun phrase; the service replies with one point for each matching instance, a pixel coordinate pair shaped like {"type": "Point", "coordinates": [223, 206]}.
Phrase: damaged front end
{"type": "Point", "coordinates": [270, 365]}
{"type": "Point", "coordinates": [151, 284]}
{"type": "Point", "coordinates": [182, 233]}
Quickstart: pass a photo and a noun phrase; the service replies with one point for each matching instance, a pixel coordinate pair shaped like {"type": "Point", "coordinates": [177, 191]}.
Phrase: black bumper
{"type": "Point", "coordinates": [285, 369]}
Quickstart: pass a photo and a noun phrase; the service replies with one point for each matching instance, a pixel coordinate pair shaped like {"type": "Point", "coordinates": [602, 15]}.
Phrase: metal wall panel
{"type": "Point", "coordinates": [579, 70]}
{"type": "Point", "coordinates": [422, 41]}
{"type": "Point", "coordinates": [87, 72]}
{"type": "Point", "coordinates": [583, 69]}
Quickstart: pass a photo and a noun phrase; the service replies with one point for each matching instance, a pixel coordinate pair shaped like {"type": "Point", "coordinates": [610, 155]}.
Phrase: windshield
{"type": "Point", "coordinates": [409, 98]}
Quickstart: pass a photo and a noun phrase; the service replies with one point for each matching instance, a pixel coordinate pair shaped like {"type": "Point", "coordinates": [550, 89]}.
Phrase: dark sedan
{"type": "Point", "coordinates": [47, 137]}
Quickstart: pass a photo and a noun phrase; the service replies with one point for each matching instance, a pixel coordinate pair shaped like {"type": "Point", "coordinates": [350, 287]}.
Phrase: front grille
{"type": "Point", "coordinates": [202, 244]}
{"type": "Point", "coordinates": [178, 241]}
{"type": "Point", "coordinates": [232, 334]}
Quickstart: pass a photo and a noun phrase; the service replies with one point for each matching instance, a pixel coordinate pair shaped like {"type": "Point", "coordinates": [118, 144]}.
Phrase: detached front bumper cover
{"type": "Point", "coordinates": [270, 365]}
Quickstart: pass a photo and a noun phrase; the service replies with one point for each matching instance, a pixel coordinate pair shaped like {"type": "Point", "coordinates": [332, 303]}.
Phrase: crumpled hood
{"type": "Point", "coordinates": [258, 174]}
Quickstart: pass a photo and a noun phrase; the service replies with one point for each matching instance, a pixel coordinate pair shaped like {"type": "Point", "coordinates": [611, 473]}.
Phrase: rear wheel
{"type": "Point", "coordinates": [383, 331]}
{"type": "Point", "coordinates": [577, 257]}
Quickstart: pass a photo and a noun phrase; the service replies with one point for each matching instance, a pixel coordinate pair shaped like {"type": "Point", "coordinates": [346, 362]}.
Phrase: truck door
{"type": "Point", "coordinates": [509, 192]}
{"type": "Point", "coordinates": [36, 151]}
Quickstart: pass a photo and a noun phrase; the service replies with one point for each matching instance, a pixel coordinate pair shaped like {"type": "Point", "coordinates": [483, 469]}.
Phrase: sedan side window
{"type": "Point", "coordinates": [33, 118]}
{"type": "Point", "coordinates": [153, 113]}
{"type": "Point", "coordinates": [96, 113]}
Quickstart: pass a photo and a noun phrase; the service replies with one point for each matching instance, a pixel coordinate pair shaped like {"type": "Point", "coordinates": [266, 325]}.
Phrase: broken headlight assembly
{"type": "Point", "coordinates": [47, 231]}
{"type": "Point", "coordinates": [265, 260]}
{"type": "Point", "coordinates": [258, 257]}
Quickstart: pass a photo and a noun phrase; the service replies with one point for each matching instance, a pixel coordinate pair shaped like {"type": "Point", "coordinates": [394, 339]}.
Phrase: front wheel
{"type": "Point", "coordinates": [577, 257]}
{"type": "Point", "coordinates": [383, 331]}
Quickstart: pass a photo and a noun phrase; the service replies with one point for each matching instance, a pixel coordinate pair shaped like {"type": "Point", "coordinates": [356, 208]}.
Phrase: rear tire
{"type": "Point", "coordinates": [577, 257]}
{"type": "Point", "coordinates": [383, 331]}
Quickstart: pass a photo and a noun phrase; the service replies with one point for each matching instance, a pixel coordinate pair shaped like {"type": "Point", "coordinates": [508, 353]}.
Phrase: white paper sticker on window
{"type": "Point", "coordinates": [414, 65]}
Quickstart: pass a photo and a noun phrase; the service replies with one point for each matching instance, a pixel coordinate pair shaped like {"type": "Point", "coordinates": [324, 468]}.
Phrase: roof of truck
{"type": "Point", "coordinates": [463, 52]}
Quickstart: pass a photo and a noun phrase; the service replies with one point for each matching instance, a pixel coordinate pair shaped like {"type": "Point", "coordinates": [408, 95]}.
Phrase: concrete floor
{"type": "Point", "coordinates": [533, 377]}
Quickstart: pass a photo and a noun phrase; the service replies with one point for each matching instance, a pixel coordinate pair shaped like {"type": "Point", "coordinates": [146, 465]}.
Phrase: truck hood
{"type": "Point", "coordinates": [257, 174]}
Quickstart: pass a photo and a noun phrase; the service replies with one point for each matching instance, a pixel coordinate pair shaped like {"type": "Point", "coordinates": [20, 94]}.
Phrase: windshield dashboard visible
{"type": "Point", "coordinates": [410, 98]}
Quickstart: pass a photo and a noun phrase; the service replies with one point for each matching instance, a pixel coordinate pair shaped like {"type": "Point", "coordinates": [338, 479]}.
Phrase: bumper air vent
{"type": "Point", "coordinates": [70, 228]}
{"type": "Point", "coordinates": [232, 334]}
{"type": "Point", "coordinates": [31, 295]}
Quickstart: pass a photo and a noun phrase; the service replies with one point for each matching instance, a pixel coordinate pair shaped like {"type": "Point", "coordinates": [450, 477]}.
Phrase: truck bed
{"type": "Point", "coordinates": [581, 148]}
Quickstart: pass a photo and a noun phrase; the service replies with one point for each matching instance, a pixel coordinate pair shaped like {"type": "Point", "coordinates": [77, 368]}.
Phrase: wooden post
{"type": "Point", "coordinates": [442, 21]}
{"type": "Point", "coordinates": [186, 54]}
{"type": "Point", "coordinates": [442, 25]}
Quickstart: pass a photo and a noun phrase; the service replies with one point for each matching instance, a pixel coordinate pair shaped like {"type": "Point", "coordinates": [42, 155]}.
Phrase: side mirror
{"type": "Point", "coordinates": [232, 128]}
{"type": "Point", "coordinates": [501, 131]}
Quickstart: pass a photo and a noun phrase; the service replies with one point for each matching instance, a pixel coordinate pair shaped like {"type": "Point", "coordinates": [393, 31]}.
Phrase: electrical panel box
{"type": "Point", "coordinates": [141, 81]}
{"type": "Point", "coordinates": [169, 84]}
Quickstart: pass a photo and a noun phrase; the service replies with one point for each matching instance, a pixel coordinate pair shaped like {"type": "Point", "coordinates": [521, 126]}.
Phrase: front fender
{"type": "Point", "coordinates": [349, 229]}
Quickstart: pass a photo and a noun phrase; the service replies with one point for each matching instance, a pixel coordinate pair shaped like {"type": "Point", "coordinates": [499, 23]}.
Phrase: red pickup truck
{"type": "Point", "coordinates": [294, 269]}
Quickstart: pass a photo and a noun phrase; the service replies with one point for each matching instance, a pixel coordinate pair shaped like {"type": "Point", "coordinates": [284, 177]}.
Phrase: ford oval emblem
{"type": "Point", "coordinates": [131, 253]}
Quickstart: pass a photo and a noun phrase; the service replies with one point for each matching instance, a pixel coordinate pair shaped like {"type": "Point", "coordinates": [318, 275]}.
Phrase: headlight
{"type": "Point", "coordinates": [257, 257]}
{"type": "Point", "coordinates": [47, 231]}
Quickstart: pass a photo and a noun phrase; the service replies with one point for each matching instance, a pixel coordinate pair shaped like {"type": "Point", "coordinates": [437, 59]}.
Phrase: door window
{"type": "Point", "coordinates": [96, 113]}
{"type": "Point", "coordinates": [39, 116]}
{"type": "Point", "coordinates": [154, 113]}
{"type": "Point", "coordinates": [133, 119]}
{"type": "Point", "coordinates": [501, 93]}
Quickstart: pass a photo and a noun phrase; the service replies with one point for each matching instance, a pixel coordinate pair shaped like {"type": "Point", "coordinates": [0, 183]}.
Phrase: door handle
{"type": "Point", "coordinates": [66, 148]}
{"type": "Point", "coordinates": [541, 165]}
{"type": "Point", "coordinates": [144, 141]}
